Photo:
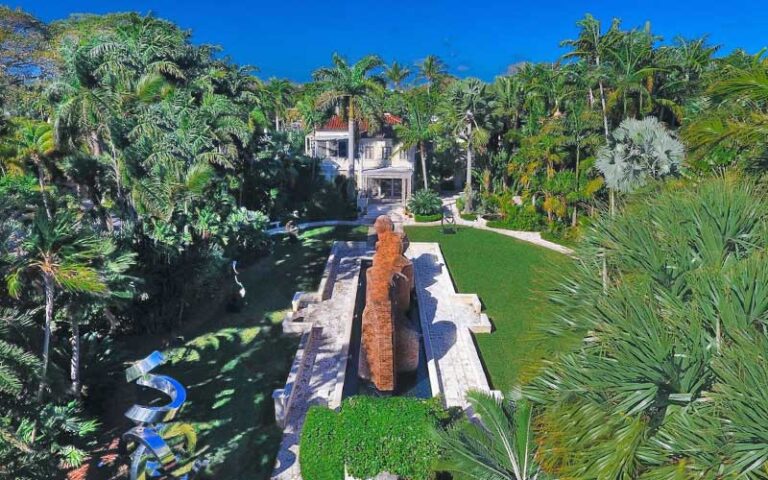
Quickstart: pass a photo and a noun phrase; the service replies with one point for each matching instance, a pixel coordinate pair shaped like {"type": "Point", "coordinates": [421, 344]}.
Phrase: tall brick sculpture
{"type": "Point", "coordinates": [389, 345]}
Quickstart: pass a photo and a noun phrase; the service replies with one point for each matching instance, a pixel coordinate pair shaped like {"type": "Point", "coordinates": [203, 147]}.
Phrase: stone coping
{"type": "Point", "coordinates": [447, 321]}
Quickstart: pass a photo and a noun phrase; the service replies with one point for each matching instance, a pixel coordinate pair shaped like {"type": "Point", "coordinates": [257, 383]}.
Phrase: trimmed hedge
{"type": "Point", "coordinates": [470, 217]}
{"type": "Point", "coordinates": [428, 218]}
{"type": "Point", "coordinates": [372, 435]}
{"type": "Point", "coordinates": [322, 456]}
{"type": "Point", "coordinates": [520, 218]}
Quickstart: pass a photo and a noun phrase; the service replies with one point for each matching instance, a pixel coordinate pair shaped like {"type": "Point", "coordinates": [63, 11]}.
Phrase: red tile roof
{"type": "Point", "coordinates": [337, 123]}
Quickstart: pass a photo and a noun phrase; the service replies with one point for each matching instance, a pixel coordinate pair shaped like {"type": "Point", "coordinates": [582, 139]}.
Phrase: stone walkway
{"type": "Point", "coordinates": [317, 376]}
{"type": "Point", "coordinates": [447, 319]}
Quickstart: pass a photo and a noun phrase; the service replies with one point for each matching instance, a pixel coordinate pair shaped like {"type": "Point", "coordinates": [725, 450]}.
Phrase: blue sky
{"type": "Point", "coordinates": [289, 38]}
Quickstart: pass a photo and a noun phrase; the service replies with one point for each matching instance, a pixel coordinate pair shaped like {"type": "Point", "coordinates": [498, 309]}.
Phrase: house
{"type": "Point", "coordinates": [382, 169]}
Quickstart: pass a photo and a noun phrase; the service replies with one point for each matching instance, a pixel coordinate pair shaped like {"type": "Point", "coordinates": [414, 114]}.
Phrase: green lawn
{"type": "Point", "coordinates": [511, 278]}
{"type": "Point", "coordinates": [231, 362]}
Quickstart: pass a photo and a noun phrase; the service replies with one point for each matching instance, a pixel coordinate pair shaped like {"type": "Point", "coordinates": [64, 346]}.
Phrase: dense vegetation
{"type": "Point", "coordinates": [136, 166]}
{"type": "Point", "coordinates": [371, 435]}
{"type": "Point", "coordinates": [668, 381]}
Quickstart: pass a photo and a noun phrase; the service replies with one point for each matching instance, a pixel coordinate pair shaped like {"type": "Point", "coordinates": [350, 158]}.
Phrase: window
{"type": "Point", "coordinates": [342, 148]}
{"type": "Point", "coordinates": [368, 152]}
{"type": "Point", "coordinates": [403, 155]}
{"type": "Point", "coordinates": [386, 152]}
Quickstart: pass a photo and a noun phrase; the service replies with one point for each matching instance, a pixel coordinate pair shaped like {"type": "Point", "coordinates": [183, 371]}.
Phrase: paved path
{"type": "Point", "coordinates": [324, 359]}
{"type": "Point", "coordinates": [454, 364]}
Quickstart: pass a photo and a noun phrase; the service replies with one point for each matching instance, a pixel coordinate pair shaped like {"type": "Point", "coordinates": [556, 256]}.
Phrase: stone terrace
{"type": "Point", "coordinates": [324, 321]}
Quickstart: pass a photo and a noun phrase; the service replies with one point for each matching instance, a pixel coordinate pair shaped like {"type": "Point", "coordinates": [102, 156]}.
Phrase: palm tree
{"type": "Point", "coordinates": [467, 108]}
{"type": "Point", "coordinates": [83, 107]}
{"type": "Point", "coordinates": [741, 116]}
{"type": "Point", "coordinates": [419, 129]}
{"type": "Point", "coordinates": [279, 92]}
{"type": "Point", "coordinates": [34, 141]}
{"type": "Point", "coordinates": [397, 74]}
{"type": "Point", "coordinates": [432, 70]}
{"type": "Point", "coordinates": [639, 150]}
{"type": "Point", "coordinates": [593, 46]}
{"type": "Point", "coordinates": [57, 254]}
{"type": "Point", "coordinates": [499, 445]}
{"type": "Point", "coordinates": [633, 75]}
{"type": "Point", "coordinates": [352, 85]}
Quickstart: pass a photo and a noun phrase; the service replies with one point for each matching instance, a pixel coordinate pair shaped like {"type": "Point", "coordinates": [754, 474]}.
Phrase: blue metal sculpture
{"type": "Point", "coordinates": [153, 457]}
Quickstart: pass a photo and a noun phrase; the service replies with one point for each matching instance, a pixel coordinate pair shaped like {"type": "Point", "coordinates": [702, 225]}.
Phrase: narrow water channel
{"type": "Point", "coordinates": [410, 384]}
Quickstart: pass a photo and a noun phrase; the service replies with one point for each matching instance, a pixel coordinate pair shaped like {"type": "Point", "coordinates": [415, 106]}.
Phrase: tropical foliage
{"type": "Point", "coordinates": [667, 381]}
{"type": "Point", "coordinates": [136, 166]}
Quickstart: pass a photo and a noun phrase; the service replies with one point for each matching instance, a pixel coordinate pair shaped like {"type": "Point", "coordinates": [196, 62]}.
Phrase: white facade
{"type": "Point", "coordinates": [383, 169]}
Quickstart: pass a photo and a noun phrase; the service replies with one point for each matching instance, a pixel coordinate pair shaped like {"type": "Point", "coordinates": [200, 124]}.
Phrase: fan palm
{"type": "Point", "coordinates": [351, 84]}
{"type": "Point", "coordinates": [639, 150]}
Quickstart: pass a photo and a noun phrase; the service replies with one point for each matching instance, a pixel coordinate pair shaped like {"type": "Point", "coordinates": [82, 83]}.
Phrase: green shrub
{"type": "Point", "coordinates": [425, 202]}
{"type": "Point", "coordinates": [566, 236]}
{"type": "Point", "coordinates": [330, 202]}
{"type": "Point", "coordinates": [322, 457]}
{"type": "Point", "coordinates": [428, 218]}
{"type": "Point", "coordinates": [470, 217]}
{"type": "Point", "coordinates": [524, 218]}
{"type": "Point", "coordinates": [372, 435]}
{"type": "Point", "coordinates": [490, 203]}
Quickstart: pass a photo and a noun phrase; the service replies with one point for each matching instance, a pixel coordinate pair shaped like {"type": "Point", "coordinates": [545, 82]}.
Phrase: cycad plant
{"type": "Point", "coordinates": [497, 445]}
{"type": "Point", "coordinates": [667, 381]}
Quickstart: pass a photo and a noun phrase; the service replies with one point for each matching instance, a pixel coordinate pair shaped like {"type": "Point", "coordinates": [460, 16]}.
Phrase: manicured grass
{"type": "Point", "coordinates": [231, 361]}
{"type": "Point", "coordinates": [511, 278]}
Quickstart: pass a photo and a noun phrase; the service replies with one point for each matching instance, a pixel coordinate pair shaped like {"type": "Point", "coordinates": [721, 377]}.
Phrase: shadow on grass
{"type": "Point", "coordinates": [231, 361]}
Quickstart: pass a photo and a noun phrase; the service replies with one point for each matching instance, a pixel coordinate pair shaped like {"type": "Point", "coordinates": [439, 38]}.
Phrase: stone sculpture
{"type": "Point", "coordinates": [389, 344]}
